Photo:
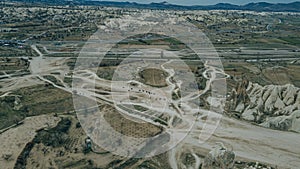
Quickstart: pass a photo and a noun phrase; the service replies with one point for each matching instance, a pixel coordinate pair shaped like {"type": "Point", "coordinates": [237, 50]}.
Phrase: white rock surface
{"type": "Point", "coordinates": [249, 114]}
{"type": "Point", "coordinates": [287, 123]}
{"type": "Point", "coordinates": [271, 106]}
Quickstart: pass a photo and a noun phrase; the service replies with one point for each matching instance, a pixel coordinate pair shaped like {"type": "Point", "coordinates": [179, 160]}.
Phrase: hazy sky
{"type": "Point", "coordinates": [208, 2]}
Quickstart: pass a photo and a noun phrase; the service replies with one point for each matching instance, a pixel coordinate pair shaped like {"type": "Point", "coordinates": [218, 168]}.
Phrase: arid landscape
{"type": "Point", "coordinates": [103, 86]}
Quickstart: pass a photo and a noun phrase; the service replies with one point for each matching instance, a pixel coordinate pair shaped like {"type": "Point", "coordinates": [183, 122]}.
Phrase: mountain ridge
{"type": "Point", "coordinates": [257, 6]}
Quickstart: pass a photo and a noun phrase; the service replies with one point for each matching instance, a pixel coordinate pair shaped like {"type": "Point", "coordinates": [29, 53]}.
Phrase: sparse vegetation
{"type": "Point", "coordinates": [259, 53]}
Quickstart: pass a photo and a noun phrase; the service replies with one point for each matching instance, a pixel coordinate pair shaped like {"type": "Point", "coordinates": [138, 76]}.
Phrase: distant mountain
{"type": "Point", "coordinates": [260, 6]}
{"type": "Point", "coordinates": [263, 6]}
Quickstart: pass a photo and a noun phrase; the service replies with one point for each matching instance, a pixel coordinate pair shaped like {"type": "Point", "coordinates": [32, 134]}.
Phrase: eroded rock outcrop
{"type": "Point", "coordinates": [219, 158]}
{"type": "Point", "coordinates": [271, 106]}
{"type": "Point", "coordinates": [291, 122]}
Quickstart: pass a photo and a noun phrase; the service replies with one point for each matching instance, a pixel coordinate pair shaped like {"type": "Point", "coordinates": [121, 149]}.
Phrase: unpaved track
{"type": "Point", "coordinates": [249, 142]}
{"type": "Point", "coordinates": [254, 143]}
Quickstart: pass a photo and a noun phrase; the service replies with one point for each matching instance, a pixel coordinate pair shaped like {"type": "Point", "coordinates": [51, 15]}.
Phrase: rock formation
{"type": "Point", "coordinates": [219, 158]}
{"type": "Point", "coordinates": [271, 106]}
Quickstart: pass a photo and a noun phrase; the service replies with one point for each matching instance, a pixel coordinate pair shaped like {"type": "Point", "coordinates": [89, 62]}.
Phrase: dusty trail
{"type": "Point", "coordinates": [255, 143]}
{"type": "Point", "coordinates": [249, 142]}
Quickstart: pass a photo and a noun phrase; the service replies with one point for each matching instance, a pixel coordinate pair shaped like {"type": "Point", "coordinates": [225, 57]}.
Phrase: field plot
{"type": "Point", "coordinates": [153, 77]}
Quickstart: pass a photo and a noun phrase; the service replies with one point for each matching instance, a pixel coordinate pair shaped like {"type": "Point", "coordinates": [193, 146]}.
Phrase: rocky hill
{"type": "Point", "coordinates": [270, 106]}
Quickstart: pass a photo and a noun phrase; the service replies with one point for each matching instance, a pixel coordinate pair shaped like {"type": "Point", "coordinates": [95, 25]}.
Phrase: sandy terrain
{"type": "Point", "coordinates": [14, 140]}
